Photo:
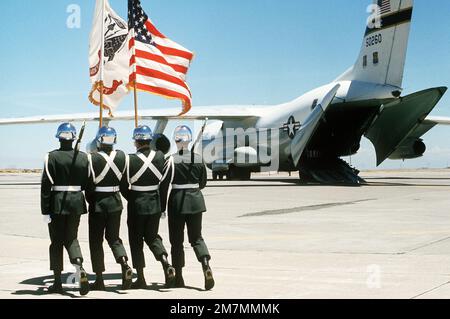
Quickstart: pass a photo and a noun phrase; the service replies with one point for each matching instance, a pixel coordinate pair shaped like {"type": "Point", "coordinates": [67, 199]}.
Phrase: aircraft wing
{"type": "Point", "coordinates": [197, 113]}
{"type": "Point", "coordinates": [437, 120]}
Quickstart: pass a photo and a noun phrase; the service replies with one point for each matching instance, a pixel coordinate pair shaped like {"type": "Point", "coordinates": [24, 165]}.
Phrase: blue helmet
{"type": "Point", "coordinates": [182, 134]}
{"type": "Point", "coordinates": [107, 136]}
{"type": "Point", "coordinates": [66, 132]}
{"type": "Point", "coordinates": [143, 133]}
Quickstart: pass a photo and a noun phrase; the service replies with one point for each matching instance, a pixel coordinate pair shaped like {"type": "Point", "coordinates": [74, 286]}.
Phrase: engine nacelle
{"type": "Point", "coordinates": [246, 157]}
{"type": "Point", "coordinates": [410, 149]}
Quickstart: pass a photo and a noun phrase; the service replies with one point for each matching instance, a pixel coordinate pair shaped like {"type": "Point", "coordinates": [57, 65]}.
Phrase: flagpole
{"type": "Point", "coordinates": [136, 116]}
{"type": "Point", "coordinates": [101, 105]}
{"type": "Point", "coordinates": [102, 54]}
{"type": "Point", "coordinates": [136, 123]}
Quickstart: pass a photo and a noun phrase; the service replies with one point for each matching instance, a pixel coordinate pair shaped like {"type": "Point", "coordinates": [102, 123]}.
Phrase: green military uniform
{"type": "Point", "coordinates": [186, 206]}
{"type": "Point", "coordinates": [141, 188]}
{"type": "Point", "coordinates": [61, 197]}
{"type": "Point", "coordinates": [105, 206]}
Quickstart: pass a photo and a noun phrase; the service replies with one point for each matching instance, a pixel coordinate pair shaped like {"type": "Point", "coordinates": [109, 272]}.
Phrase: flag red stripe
{"type": "Point", "coordinates": [160, 59]}
{"type": "Point", "coordinates": [132, 78]}
{"type": "Point", "coordinates": [164, 92]}
{"type": "Point", "coordinates": [162, 76]}
{"type": "Point", "coordinates": [170, 51]}
{"type": "Point", "coordinates": [153, 29]}
{"type": "Point", "coordinates": [131, 44]}
{"type": "Point", "coordinates": [175, 52]}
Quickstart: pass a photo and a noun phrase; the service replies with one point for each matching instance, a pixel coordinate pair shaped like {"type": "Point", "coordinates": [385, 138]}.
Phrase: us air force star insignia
{"type": "Point", "coordinates": [291, 127]}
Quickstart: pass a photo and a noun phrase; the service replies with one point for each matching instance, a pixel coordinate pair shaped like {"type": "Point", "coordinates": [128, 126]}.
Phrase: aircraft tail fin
{"type": "Point", "coordinates": [383, 53]}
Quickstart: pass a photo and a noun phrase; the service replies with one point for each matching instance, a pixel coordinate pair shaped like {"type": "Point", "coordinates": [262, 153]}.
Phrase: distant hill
{"type": "Point", "coordinates": [20, 171]}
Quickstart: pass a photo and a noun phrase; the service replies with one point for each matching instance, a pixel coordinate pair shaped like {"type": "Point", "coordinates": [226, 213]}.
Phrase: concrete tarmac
{"type": "Point", "coordinates": [269, 238]}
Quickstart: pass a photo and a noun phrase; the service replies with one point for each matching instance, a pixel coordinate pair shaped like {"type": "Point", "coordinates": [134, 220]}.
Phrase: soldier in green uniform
{"type": "Point", "coordinates": [65, 176]}
{"type": "Point", "coordinates": [186, 206]}
{"type": "Point", "coordinates": [105, 206]}
{"type": "Point", "coordinates": [141, 187]}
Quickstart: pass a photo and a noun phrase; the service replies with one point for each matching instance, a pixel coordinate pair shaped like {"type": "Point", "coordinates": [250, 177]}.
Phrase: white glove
{"type": "Point", "coordinates": [163, 215]}
{"type": "Point", "coordinates": [47, 219]}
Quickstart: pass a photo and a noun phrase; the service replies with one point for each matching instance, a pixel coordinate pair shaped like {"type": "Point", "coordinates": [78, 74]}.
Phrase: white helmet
{"type": "Point", "coordinates": [182, 134]}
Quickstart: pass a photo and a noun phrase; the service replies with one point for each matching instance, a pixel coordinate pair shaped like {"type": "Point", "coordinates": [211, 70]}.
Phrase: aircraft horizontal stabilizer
{"type": "Point", "coordinates": [399, 120]}
{"type": "Point", "coordinates": [437, 120]}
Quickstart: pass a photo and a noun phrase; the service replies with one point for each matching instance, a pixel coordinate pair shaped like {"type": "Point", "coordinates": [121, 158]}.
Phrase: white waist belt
{"type": "Point", "coordinates": [185, 186]}
{"type": "Point", "coordinates": [66, 188]}
{"type": "Point", "coordinates": [111, 189]}
{"type": "Point", "coordinates": [144, 188]}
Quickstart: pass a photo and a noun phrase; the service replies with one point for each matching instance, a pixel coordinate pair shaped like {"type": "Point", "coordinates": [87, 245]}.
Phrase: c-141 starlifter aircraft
{"type": "Point", "coordinates": [327, 123]}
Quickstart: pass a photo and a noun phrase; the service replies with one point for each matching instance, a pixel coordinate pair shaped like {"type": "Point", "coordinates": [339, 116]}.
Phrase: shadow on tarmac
{"type": "Point", "coordinates": [44, 282]}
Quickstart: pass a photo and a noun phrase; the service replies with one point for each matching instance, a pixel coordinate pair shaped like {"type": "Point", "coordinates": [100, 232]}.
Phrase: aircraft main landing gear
{"type": "Point", "coordinates": [239, 174]}
{"type": "Point", "coordinates": [218, 176]}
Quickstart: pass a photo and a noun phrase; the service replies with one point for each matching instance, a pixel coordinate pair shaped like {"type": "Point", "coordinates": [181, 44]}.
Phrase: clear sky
{"type": "Point", "coordinates": [247, 52]}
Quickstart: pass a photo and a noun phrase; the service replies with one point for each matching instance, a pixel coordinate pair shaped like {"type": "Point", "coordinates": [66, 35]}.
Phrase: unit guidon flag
{"type": "Point", "coordinates": [108, 57]}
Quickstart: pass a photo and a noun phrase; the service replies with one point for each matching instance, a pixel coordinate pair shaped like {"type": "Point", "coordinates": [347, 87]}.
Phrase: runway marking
{"type": "Point", "coordinates": [21, 184]}
{"type": "Point", "coordinates": [304, 208]}
{"type": "Point", "coordinates": [431, 290]}
{"type": "Point", "coordinates": [428, 244]}
{"type": "Point", "coordinates": [23, 236]}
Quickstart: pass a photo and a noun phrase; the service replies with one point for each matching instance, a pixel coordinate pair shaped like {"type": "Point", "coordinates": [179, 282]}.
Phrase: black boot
{"type": "Point", "coordinates": [127, 274]}
{"type": "Point", "coordinates": [56, 288]}
{"type": "Point", "coordinates": [169, 272]}
{"type": "Point", "coordinates": [84, 282]}
{"type": "Point", "coordinates": [179, 281]}
{"type": "Point", "coordinates": [99, 284]}
{"type": "Point", "coordinates": [140, 283]}
{"type": "Point", "coordinates": [207, 272]}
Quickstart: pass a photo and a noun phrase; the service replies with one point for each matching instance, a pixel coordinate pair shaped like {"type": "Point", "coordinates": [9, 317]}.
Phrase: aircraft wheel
{"type": "Point", "coordinates": [239, 174]}
{"type": "Point", "coordinates": [306, 178]}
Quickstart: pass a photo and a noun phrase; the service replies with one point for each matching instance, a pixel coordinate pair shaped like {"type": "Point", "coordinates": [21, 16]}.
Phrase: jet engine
{"type": "Point", "coordinates": [412, 148]}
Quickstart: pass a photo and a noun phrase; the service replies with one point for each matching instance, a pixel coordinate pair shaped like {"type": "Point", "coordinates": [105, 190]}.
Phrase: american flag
{"type": "Point", "coordinates": [158, 64]}
{"type": "Point", "coordinates": [385, 6]}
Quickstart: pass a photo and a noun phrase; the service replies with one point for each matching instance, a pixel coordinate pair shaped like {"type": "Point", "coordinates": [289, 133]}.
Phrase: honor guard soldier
{"type": "Point", "coordinates": [145, 172]}
{"type": "Point", "coordinates": [65, 176]}
{"type": "Point", "coordinates": [186, 206]}
{"type": "Point", "coordinates": [105, 206]}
